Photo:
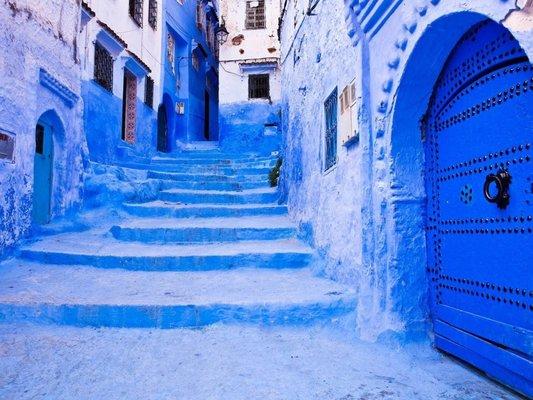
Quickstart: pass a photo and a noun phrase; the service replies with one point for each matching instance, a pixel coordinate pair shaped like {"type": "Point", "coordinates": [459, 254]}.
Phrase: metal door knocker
{"type": "Point", "coordinates": [502, 180]}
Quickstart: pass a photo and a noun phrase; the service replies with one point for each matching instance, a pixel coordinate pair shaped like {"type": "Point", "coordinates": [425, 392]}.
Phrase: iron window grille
{"type": "Point", "coordinates": [330, 108]}
{"type": "Point", "coordinates": [259, 86]}
{"type": "Point", "coordinates": [210, 35]}
{"type": "Point", "coordinates": [200, 15]}
{"type": "Point", "coordinates": [136, 11]}
{"type": "Point", "coordinates": [195, 61]}
{"type": "Point", "coordinates": [103, 67]}
{"type": "Point", "coordinates": [152, 14]}
{"type": "Point", "coordinates": [149, 92]}
{"type": "Point", "coordinates": [255, 14]}
{"type": "Point", "coordinates": [171, 51]}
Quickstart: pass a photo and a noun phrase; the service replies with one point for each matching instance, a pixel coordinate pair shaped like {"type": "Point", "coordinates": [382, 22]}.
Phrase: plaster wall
{"type": "Point", "coordinates": [366, 215]}
{"type": "Point", "coordinates": [38, 36]}
{"type": "Point", "coordinates": [327, 204]}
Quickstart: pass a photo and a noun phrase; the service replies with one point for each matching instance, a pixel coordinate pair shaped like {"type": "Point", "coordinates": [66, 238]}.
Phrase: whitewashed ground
{"type": "Point", "coordinates": [226, 363]}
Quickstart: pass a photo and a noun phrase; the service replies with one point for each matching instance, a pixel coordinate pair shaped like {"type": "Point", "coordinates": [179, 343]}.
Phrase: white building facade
{"type": "Point", "coordinates": [121, 52]}
{"type": "Point", "coordinates": [250, 75]}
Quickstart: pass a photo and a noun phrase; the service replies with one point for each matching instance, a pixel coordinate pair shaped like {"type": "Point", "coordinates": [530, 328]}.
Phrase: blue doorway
{"type": "Point", "coordinates": [478, 131]}
{"type": "Point", "coordinates": [162, 129]}
{"type": "Point", "coordinates": [43, 172]}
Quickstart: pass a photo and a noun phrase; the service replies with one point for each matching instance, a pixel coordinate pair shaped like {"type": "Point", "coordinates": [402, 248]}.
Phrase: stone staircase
{"type": "Point", "coordinates": [215, 246]}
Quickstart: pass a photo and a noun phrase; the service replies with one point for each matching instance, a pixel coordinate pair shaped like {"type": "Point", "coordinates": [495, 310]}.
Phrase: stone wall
{"type": "Point", "coordinates": [40, 73]}
{"type": "Point", "coordinates": [366, 214]}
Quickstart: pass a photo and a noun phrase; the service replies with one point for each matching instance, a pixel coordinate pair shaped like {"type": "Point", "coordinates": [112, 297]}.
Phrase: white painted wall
{"type": "Point", "coordinates": [255, 46]}
{"type": "Point", "coordinates": [144, 42]}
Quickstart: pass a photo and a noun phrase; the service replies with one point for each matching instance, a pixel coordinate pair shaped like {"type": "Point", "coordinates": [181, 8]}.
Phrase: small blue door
{"type": "Point", "coordinates": [162, 129]}
{"type": "Point", "coordinates": [479, 184]}
{"type": "Point", "coordinates": [43, 162]}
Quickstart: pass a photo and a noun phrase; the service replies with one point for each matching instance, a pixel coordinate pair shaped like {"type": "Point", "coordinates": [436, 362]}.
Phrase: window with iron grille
{"type": "Point", "coordinates": [195, 60]}
{"type": "Point", "coordinates": [200, 15]}
{"type": "Point", "coordinates": [149, 92]}
{"type": "Point", "coordinates": [255, 14]}
{"type": "Point", "coordinates": [330, 108]}
{"type": "Point", "coordinates": [103, 67]}
{"type": "Point", "coordinates": [259, 86]}
{"type": "Point", "coordinates": [171, 51]}
{"type": "Point", "coordinates": [136, 11]}
{"type": "Point", "coordinates": [209, 35]}
{"type": "Point", "coordinates": [152, 13]}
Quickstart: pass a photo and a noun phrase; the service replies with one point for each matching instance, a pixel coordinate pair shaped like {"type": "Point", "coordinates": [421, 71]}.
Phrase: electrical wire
{"type": "Point", "coordinates": [231, 72]}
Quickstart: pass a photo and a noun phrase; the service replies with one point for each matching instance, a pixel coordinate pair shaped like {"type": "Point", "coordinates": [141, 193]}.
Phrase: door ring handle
{"type": "Point", "coordinates": [502, 180]}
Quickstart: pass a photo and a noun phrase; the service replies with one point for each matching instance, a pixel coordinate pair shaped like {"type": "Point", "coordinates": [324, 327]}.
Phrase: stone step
{"type": "Point", "coordinates": [177, 210]}
{"type": "Point", "coordinates": [268, 195]}
{"type": "Point", "coordinates": [251, 167]}
{"type": "Point", "coordinates": [220, 186]}
{"type": "Point", "coordinates": [85, 296]}
{"type": "Point", "coordinates": [205, 230]}
{"type": "Point", "coordinates": [204, 146]}
{"type": "Point", "coordinates": [101, 251]}
{"type": "Point", "coordinates": [212, 170]}
{"type": "Point", "coordinates": [244, 165]}
{"type": "Point", "coordinates": [200, 158]}
{"type": "Point", "coordinates": [177, 176]}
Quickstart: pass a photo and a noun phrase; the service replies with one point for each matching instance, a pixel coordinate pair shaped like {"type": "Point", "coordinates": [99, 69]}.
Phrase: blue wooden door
{"type": "Point", "coordinates": [43, 162]}
{"type": "Point", "coordinates": [479, 183]}
{"type": "Point", "coordinates": [162, 129]}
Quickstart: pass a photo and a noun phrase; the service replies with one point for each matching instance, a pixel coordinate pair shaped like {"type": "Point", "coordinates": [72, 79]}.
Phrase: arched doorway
{"type": "Point", "coordinates": [477, 136]}
{"type": "Point", "coordinates": [43, 168]}
{"type": "Point", "coordinates": [162, 129]}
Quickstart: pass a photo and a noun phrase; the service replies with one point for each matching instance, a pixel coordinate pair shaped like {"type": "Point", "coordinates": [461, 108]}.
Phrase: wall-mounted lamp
{"type": "Point", "coordinates": [222, 33]}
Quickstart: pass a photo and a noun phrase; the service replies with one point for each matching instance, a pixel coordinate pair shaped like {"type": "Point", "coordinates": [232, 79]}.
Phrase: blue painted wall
{"type": "Point", "coordinates": [182, 82]}
{"type": "Point", "coordinates": [366, 214]}
{"type": "Point", "coordinates": [102, 123]}
{"type": "Point", "coordinates": [32, 41]}
{"type": "Point", "coordinates": [252, 126]}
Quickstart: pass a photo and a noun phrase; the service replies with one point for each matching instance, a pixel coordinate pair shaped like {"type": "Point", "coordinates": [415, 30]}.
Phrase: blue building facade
{"type": "Point", "coordinates": [150, 77]}
{"type": "Point", "coordinates": [97, 89]}
{"type": "Point", "coordinates": [399, 212]}
{"type": "Point", "coordinates": [120, 45]}
{"type": "Point", "coordinates": [42, 146]}
{"type": "Point", "coordinates": [190, 73]}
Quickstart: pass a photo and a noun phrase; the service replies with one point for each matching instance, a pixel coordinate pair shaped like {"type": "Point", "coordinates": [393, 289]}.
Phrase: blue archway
{"type": "Point", "coordinates": [409, 254]}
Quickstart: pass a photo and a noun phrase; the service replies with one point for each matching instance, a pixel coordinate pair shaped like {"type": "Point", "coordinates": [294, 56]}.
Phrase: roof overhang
{"type": "Point", "coordinates": [86, 13]}
{"type": "Point", "coordinates": [258, 67]}
{"type": "Point", "coordinates": [135, 65]}
{"type": "Point", "coordinates": [110, 40]}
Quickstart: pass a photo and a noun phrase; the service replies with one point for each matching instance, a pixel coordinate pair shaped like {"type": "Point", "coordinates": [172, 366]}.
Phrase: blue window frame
{"type": "Point", "coordinates": [330, 108]}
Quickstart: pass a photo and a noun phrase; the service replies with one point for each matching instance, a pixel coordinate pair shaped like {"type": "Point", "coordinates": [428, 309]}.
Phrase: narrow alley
{"type": "Point", "coordinates": [215, 251]}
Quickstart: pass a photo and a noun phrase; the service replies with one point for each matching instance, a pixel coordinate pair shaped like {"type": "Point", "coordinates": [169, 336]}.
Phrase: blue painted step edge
{"type": "Point", "coordinates": [173, 263]}
{"type": "Point", "coordinates": [175, 316]}
{"type": "Point", "coordinates": [199, 234]}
